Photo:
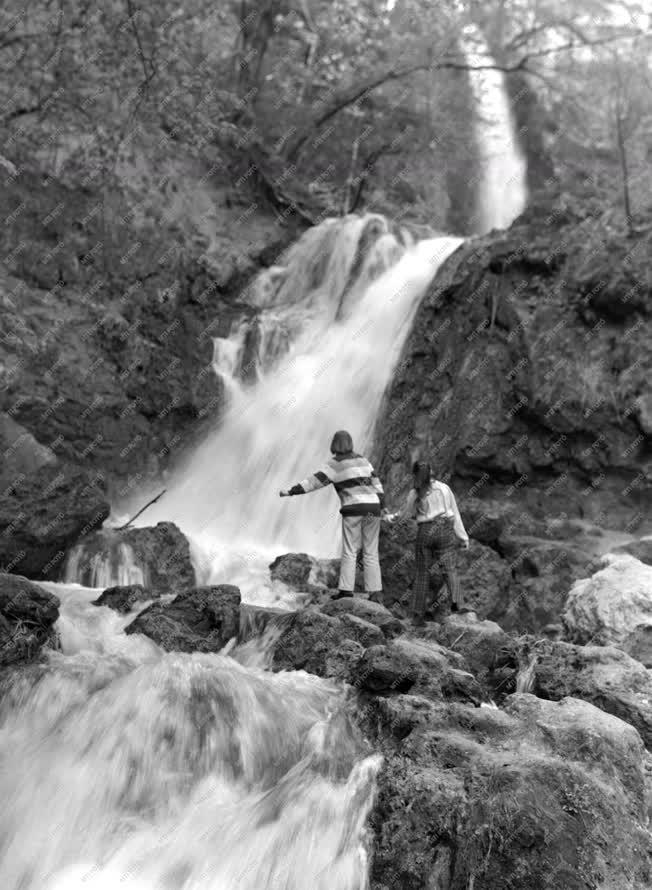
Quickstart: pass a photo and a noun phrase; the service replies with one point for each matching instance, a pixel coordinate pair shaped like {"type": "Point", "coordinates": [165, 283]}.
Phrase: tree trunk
{"type": "Point", "coordinates": [622, 151]}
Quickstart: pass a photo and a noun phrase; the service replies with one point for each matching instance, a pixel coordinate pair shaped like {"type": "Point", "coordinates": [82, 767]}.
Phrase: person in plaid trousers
{"type": "Point", "coordinates": [440, 532]}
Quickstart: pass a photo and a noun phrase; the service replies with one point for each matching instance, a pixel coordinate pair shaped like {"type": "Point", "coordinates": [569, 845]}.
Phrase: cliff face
{"type": "Point", "coordinates": [526, 375]}
{"type": "Point", "coordinates": [106, 339]}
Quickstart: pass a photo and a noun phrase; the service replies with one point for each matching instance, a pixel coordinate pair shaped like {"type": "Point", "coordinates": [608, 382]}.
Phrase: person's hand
{"type": "Point", "coordinates": [386, 516]}
{"type": "Point", "coordinates": [284, 493]}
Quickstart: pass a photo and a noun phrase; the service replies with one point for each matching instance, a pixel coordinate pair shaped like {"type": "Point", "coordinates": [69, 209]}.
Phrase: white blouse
{"type": "Point", "coordinates": [438, 501]}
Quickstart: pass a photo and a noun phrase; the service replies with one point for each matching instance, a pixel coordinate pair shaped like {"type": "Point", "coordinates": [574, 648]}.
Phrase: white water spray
{"type": "Point", "coordinates": [124, 766]}
{"type": "Point", "coordinates": [346, 308]}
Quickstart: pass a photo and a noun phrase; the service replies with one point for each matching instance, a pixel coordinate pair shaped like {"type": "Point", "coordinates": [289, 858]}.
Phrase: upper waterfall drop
{"type": "Point", "coordinates": [502, 191]}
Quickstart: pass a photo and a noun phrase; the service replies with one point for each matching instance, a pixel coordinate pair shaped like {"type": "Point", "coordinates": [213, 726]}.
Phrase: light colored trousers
{"type": "Point", "coordinates": [360, 531]}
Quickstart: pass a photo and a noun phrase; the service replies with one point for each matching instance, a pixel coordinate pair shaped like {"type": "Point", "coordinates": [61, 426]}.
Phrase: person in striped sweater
{"type": "Point", "coordinates": [363, 499]}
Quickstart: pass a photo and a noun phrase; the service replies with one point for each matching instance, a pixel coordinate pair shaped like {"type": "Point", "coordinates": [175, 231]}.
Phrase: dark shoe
{"type": "Point", "coordinates": [341, 594]}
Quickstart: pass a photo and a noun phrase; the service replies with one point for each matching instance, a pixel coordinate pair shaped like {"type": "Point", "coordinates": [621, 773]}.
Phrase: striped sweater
{"type": "Point", "coordinates": [355, 481]}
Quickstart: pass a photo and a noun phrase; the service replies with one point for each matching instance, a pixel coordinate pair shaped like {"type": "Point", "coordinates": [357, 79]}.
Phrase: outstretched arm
{"type": "Point", "coordinates": [312, 483]}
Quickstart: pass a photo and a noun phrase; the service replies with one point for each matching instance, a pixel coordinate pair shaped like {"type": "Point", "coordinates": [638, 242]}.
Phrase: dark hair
{"type": "Point", "coordinates": [342, 442]}
{"type": "Point", "coordinates": [422, 472]}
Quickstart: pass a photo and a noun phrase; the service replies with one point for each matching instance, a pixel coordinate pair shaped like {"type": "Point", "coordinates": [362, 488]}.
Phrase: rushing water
{"type": "Point", "coordinates": [502, 190]}
{"type": "Point", "coordinates": [344, 306]}
{"type": "Point", "coordinates": [124, 766]}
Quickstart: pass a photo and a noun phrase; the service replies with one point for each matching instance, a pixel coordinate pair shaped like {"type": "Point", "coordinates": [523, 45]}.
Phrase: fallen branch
{"type": "Point", "coordinates": [142, 510]}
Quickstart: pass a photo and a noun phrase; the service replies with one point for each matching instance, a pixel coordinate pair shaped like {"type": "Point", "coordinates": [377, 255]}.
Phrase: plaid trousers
{"type": "Point", "coordinates": [436, 543]}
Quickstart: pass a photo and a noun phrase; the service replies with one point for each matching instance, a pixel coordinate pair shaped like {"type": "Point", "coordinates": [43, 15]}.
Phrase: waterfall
{"type": "Point", "coordinates": [114, 564]}
{"type": "Point", "coordinates": [502, 190]}
{"type": "Point", "coordinates": [124, 766]}
{"type": "Point", "coordinates": [344, 301]}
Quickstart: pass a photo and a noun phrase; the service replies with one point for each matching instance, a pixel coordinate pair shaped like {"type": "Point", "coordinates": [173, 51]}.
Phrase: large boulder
{"type": "Point", "coordinates": [44, 512]}
{"type": "Point", "coordinates": [602, 675]}
{"type": "Point", "coordinates": [320, 644]}
{"type": "Point", "coordinates": [302, 572]}
{"type": "Point", "coordinates": [480, 644]}
{"type": "Point", "coordinates": [416, 665]}
{"type": "Point", "coordinates": [156, 557]}
{"type": "Point", "coordinates": [27, 617]}
{"type": "Point", "coordinates": [365, 609]}
{"type": "Point", "coordinates": [614, 607]}
{"type": "Point", "coordinates": [200, 620]}
{"type": "Point", "coordinates": [526, 797]}
{"type": "Point", "coordinates": [22, 453]}
{"type": "Point", "coordinates": [576, 730]}
{"type": "Point", "coordinates": [123, 599]}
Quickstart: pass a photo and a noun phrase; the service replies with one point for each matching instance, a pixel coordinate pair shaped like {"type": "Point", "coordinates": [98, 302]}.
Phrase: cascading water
{"type": "Point", "coordinates": [502, 190]}
{"type": "Point", "coordinates": [346, 302]}
{"type": "Point", "coordinates": [124, 766]}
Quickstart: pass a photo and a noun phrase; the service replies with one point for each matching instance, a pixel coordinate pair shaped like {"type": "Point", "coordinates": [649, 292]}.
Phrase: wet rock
{"type": "Point", "coordinates": [307, 641]}
{"type": "Point", "coordinates": [45, 512]}
{"type": "Point", "coordinates": [254, 620]}
{"type": "Point", "coordinates": [529, 365]}
{"type": "Point", "coordinates": [367, 611]}
{"type": "Point", "coordinates": [200, 620]}
{"type": "Point", "coordinates": [302, 572]}
{"type": "Point", "coordinates": [576, 730]}
{"type": "Point", "coordinates": [22, 453]}
{"type": "Point", "coordinates": [520, 798]}
{"type": "Point", "coordinates": [362, 631]}
{"type": "Point", "coordinates": [383, 670]}
{"type": "Point", "coordinates": [158, 555]}
{"type": "Point", "coordinates": [416, 665]}
{"type": "Point", "coordinates": [27, 617]}
{"type": "Point", "coordinates": [602, 675]}
{"type": "Point", "coordinates": [123, 599]}
{"type": "Point", "coordinates": [613, 607]}
{"type": "Point", "coordinates": [479, 642]}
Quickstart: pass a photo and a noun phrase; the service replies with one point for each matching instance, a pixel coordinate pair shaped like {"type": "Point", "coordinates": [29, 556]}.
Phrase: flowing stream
{"type": "Point", "coordinates": [126, 767]}
{"type": "Point", "coordinates": [122, 766]}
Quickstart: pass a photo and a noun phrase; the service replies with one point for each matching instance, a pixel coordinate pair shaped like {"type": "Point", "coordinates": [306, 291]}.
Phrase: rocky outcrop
{"type": "Point", "coordinates": [111, 366]}
{"type": "Point", "coordinates": [366, 610]}
{"type": "Point", "coordinates": [493, 798]}
{"type": "Point", "coordinates": [44, 512]}
{"type": "Point", "coordinates": [199, 620]}
{"type": "Point", "coordinates": [124, 599]}
{"type": "Point", "coordinates": [157, 557]}
{"type": "Point", "coordinates": [27, 617]}
{"type": "Point", "coordinates": [614, 607]}
{"type": "Point", "coordinates": [302, 572]}
{"type": "Point", "coordinates": [601, 675]}
{"type": "Point", "coordinates": [523, 374]}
